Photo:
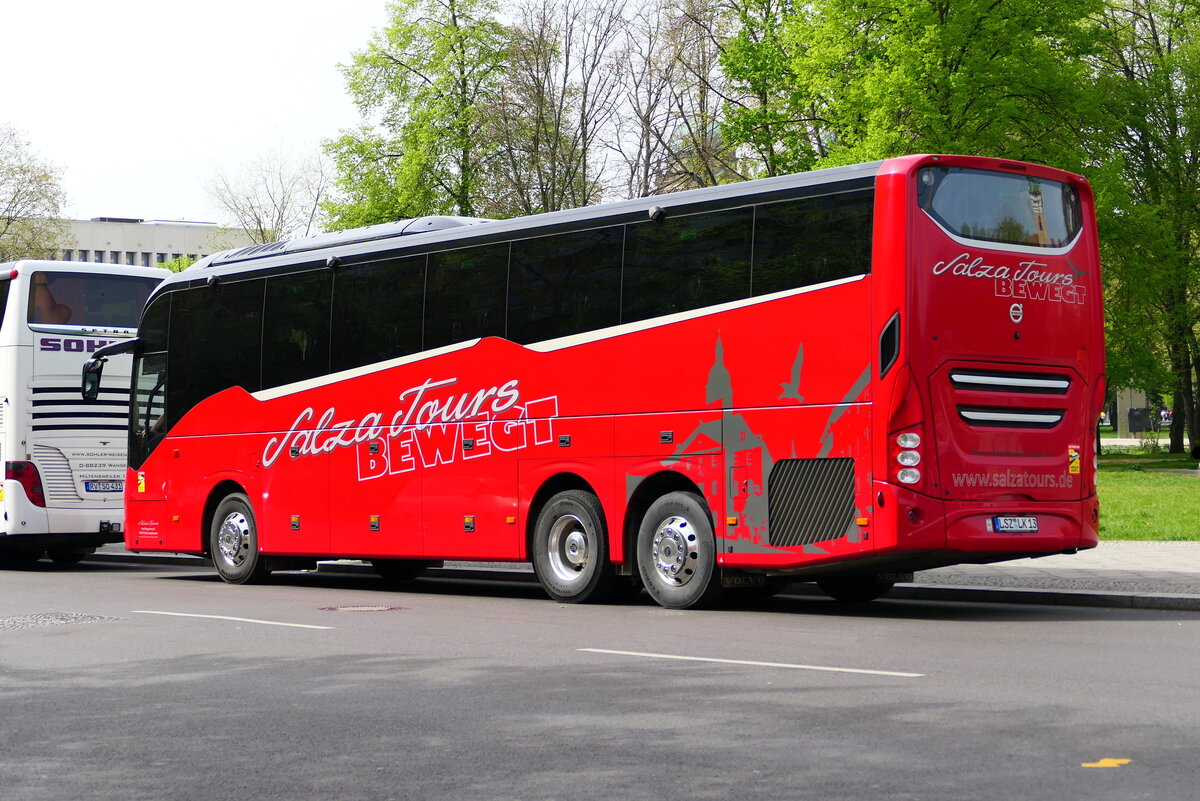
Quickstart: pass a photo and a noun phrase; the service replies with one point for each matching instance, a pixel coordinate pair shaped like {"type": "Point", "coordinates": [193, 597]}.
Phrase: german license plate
{"type": "Point", "coordinates": [104, 486]}
{"type": "Point", "coordinates": [1012, 524]}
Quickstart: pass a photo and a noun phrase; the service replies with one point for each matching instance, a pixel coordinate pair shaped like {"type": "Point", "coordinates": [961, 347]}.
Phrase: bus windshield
{"type": "Point", "coordinates": [1000, 207]}
{"type": "Point", "coordinates": [88, 299]}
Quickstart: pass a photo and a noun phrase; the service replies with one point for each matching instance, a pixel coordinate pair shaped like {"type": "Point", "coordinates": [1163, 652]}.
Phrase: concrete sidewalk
{"type": "Point", "coordinates": [1140, 575]}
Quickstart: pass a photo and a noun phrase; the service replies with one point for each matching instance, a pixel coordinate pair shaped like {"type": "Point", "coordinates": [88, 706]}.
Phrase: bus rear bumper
{"type": "Point", "coordinates": [1022, 528]}
{"type": "Point", "coordinates": [87, 526]}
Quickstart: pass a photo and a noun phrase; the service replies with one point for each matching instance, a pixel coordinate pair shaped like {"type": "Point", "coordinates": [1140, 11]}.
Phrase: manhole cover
{"type": "Point", "coordinates": [362, 608]}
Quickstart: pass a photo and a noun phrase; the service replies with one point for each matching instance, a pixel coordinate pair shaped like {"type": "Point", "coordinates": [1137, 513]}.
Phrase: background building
{"type": "Point", "coordinates": [119, 240]}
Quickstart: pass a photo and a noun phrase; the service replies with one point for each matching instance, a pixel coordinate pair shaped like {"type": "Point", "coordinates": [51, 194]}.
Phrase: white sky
{"type": "Point", "coordinates": [140, 102]}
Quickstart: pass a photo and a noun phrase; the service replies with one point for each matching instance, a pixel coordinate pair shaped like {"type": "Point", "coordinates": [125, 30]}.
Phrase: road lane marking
{"type": "Point", "coordinates": [755, 664]}
{"type": "Point", "coordinates": [1107, 762]}
{"type": "Point", "coordinates": [234, 619]}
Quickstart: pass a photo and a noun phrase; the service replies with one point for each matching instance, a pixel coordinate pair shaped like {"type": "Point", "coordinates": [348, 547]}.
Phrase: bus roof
{"type": "Point", "coordinates": [451, 232]}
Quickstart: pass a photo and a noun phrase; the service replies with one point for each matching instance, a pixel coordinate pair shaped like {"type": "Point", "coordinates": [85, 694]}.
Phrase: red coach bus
{"type": "Point", "coordinates": [842, 376]}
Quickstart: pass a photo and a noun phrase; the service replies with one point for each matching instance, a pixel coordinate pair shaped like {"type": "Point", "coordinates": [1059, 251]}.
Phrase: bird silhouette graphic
{"type": "Point", "coordinates": [792, 389]}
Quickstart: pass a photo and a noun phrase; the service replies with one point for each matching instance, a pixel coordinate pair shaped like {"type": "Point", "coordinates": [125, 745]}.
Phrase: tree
{"type": "Point", "coordinates": [669, 132]}
{"type": "Point", "coordinates": [777, 125]}
{"type": "Point", "coordinates": [423, 85]}
{"type": "Point", "coordinates": [559, 97]}
{"type": "Point", "coordinates": [989, 77]}
{"type": "Point", "coordinates": [1148, 76]}
{"type": "Point", "coordinates": [31, 200]}
{"type": "Point", "coordinates": [273, 197]}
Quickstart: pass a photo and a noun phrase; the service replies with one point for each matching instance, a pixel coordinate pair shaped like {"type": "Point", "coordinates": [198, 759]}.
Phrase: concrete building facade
{"type": "Point", "coordinates": [148, 243]}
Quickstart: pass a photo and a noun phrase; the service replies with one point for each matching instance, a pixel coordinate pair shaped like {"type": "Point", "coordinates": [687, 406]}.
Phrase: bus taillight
{"type": "Point", "coordinates": [905, 453]}
{"type": "Point", "coordinates": [26, 474]}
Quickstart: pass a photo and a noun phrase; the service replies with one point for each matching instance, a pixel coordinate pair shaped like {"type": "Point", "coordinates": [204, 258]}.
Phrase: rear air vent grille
{"type": "Point", "coordinates": [999, 417]}
{"type": "Point", "coordinates": [810, 500]}
{"type": "Point", "coordinates": [998, 381]}
{"type": "Point", "coordinates": [56, 474]}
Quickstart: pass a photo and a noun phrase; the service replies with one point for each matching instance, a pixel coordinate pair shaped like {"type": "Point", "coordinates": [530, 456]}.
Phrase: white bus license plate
{"type": "Point", "coordinates": [104, 486]}
{"type": "Point", "coordinates": [1015, 525]}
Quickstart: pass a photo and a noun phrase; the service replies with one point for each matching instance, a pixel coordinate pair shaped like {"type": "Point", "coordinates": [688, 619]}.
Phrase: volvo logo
{"type": "Point", "coordinates": [1016, 312]}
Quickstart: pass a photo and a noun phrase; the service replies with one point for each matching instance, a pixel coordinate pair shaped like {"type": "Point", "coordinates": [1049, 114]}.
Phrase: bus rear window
{"type": "Point", "coordinates": [1000, 207]}
{"type": "Point", "coordinates": [86, 299]}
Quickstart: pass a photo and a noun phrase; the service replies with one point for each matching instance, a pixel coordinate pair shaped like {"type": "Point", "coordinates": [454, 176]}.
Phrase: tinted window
{"type": "Point", "coordinates": [377, 311]}
{"type": "Point", "coordinates": [148, 422]}
{"type": "Point", "coordinates": [465, 296]}
{"type": "Point", "coordinates": [295, 337]}
{"type": "Point", "coordinates": [1000, 207]}
{"type": "Point", "coordinates": [812, 240]}
{"type": "Point", "coordinates": [153, 328]}
{"type": "Point", "coordinates": [215, 339]}
{"type": "Point", "coordinates": [103, 301]}
{"type": "Point", "coordinates": [564, 284]}
{"type": "Point", "coordinates": [4, 285]}
{"type": "Point", "coordinates": [684, 263]}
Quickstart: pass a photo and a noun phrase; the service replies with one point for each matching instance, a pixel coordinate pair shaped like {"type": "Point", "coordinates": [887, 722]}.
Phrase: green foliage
{"type": "Point", "coordinates": [178, 265]}
{"type": "Point", "coordinates": [424, 81]}
{"type": "Point", "coordinates": [986, 77]}
{"type": "Point", "coordinates": [774, 117]}
{"type": "Point", "coordinates": [1140, 505]}
{"type": "Point", "coordinates": [1148, 185]}
{"type": "Point", "coordinates": [31, 198]}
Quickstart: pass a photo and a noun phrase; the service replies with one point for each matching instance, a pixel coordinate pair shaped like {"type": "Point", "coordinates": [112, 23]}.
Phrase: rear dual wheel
{"type": "Point", "coordinates": [677, 552]}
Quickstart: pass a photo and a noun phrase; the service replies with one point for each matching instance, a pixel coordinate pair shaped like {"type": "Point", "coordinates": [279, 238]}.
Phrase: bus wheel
{"type": "Point", "coordinates": [677, 552]}
{"type": "Point", "coordinates": [855, 589]}
{"type": "Point", "coordinates": [399, 569]}
{"type": "Point", "coordinates": [233, 541]}
{"type": "Point", "coordinates": [570, 548]}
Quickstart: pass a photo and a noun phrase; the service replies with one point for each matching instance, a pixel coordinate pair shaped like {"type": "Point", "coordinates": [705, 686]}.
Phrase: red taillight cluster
{"type": "Point", "coordinates": [26, 474]}
{"type": "Point", "coordinates": [905, 456]}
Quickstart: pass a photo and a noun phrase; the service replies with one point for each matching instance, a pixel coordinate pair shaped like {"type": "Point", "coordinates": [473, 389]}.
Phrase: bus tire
{"type": "Point", "coordinates": [570, 549]}
{"type": "Point", "coordinates": [233, 542]}
{"type": "Point", "coordinates": [399, 569]}
{"type": "Point", "coordinates": [677, 552]}
{"type": "Point", "coordinates": [67, 557]}
{"type": "Point", "coordinates": [855, 589]}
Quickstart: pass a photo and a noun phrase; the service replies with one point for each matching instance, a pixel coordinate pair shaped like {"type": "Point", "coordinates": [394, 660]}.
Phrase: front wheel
{"type": "Point", "coordinates": [677, 552]}
{"type": "Point", "coordinates": [570, 548]}
{"type": "Point", "coordinates": [233, 542]}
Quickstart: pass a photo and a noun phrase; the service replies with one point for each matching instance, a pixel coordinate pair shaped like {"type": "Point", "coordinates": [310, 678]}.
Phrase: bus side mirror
{"type": "Point", "coordinates": [92, 370]}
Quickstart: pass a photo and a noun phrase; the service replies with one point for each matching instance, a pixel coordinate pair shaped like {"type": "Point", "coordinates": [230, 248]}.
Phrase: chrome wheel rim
{"type": "Point", "coordinates": [675, 549]}
{"type": "Point", "coordinates": [568, 549]}
{"type": "Point", "coordinates": [233, 539]}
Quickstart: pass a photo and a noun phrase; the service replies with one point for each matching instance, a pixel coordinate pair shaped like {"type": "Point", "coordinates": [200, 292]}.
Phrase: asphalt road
{"type": "Point", "coordinates": [127, 681]}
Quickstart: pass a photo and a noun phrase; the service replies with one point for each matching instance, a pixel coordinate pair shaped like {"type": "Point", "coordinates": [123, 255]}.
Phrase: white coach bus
{"type": "Point", "coordinates": [64, 460]}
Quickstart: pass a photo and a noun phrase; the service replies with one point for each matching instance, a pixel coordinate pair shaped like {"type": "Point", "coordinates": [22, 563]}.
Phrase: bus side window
{"type": "Point", "coordinates": [466, 294]}
{"type": "Point", "coordinates": [376, 311]}
{"type": "Point", "coordinates": [564, 284]}
{"type": "Point", "coordinates": [683, 263]}
{"type": "Point", "coordinates": [295, 333]}
{"type": "Point", "coordinates": [810, 241]}
{"type": "Point", "coordinates": [46, 308]}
